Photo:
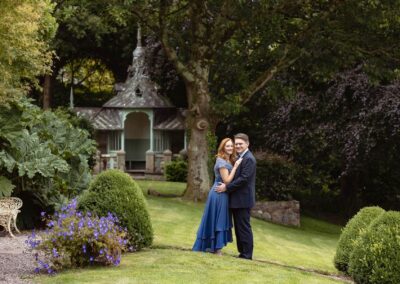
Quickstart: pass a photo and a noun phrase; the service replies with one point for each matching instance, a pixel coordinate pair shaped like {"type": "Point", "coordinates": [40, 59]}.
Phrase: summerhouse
{"type": "Point", "coordinates": [138, 129]}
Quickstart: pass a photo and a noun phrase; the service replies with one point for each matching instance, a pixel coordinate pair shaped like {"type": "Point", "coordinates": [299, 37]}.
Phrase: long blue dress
{"type": "Point", "coordinates": [215, 229]}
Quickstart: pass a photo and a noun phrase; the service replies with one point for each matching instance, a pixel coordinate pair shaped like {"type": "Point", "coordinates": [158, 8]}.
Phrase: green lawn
{"type": "Point", "coordinates": [164, 187]}
{"type": "Point", "coordinates": [170, 261]}
{"type": "Point", "coordinates": [172, 266]}
{"type": "Point", "coordinates": [175, 223]}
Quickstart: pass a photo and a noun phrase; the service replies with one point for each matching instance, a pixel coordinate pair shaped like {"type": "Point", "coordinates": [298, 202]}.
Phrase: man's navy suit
{"type": "Point", "coordinates": [241, 199]}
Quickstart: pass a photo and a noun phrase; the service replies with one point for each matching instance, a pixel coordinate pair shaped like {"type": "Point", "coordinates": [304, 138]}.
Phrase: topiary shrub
{"type": "Point", "coordinates": [375, 257]}
{"type": "Point", "coordinates": [176, 171]}
{"type": "Point", "coordinates": [351, 232]}
{"type": "Point", "coordinates": [116, 192]}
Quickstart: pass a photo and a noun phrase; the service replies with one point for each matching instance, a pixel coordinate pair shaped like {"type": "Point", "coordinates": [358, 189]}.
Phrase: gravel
{"type": "Point", "coordinates": [16, 263]}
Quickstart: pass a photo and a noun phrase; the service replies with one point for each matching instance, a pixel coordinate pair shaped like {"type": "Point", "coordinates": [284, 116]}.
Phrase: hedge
{"type": "Point", "coordinates": [375, 257]}
{"type": "Point", "coordinates": [351, 232]}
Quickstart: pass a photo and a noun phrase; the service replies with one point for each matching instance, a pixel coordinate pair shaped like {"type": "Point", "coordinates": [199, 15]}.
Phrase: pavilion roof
{"type": "Point", "coordinates": [174, 122]}
{"type": "Point", "coordinates": [101, 118]}
{"type": "Point", "coordinates": [138, 91]}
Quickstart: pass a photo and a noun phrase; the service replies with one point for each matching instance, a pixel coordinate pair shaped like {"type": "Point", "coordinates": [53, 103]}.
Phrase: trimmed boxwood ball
{"type": "Point", "coordinates": [116, 192]}
{"type": "Point", "coordinates": [351, 232]}
{"type": "Point", "coordinates": [376, 255]}
{"type": "Point", "coordinates": [176, 171]}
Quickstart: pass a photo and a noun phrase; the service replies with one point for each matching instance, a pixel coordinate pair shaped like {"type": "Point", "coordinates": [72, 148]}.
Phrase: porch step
{"type": "Point", "coordinates": [135, 171]}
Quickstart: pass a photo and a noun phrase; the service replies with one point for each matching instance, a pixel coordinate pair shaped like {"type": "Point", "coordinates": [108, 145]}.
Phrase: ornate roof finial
{"type": "Point", "coordinates": [139, 50]}
{"type": "Point", "coordinates": [139, 36]}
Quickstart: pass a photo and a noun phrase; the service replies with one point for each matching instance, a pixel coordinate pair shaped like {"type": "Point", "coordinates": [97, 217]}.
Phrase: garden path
{"type": "Point", "coordinates": [16, 263]}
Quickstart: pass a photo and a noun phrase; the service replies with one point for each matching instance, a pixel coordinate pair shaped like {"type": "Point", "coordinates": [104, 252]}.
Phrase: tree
{"type": "Point", "coordinates": [204, 38]}
{"type": "Point", "coordinates": [91, 74]}
{"type": "Point", "coordinates": [98, 30]}
{"type": "Point", "coordinates": [348, 132]}
{"type": "Point", "coordinates": [26, 27]}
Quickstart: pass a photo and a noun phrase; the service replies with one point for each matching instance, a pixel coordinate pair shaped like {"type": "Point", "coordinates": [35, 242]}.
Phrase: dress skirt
{"type": "Point", "coordinates": [215, 229]}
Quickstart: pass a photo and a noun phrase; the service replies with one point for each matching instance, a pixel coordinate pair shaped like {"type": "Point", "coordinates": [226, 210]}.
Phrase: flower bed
{"type": "Point", "coordinates": [74, 239]}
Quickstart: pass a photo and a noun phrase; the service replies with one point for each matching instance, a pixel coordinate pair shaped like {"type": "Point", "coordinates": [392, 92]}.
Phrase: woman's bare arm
{"type": "Point", "coordinates": [226, 176]}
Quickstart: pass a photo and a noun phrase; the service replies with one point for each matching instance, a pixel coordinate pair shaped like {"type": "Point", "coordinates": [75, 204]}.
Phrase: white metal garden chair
{"type": "Point", "coordinates": [9, 209]}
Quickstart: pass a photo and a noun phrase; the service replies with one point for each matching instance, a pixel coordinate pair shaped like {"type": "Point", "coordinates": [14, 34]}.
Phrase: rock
{"type": "Point", "coordinates": [280, 212]}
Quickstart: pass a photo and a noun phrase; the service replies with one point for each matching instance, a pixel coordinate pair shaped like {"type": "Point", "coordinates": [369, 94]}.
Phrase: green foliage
{"type": "Point", "coordinates": [29, 156]}
{"type": "Point", "coordinates": [240, 47]}
{"type": "Point", "coordinates": [73, 239]}
{"type": "Point", "coordinates": [26, 29]}
{"type": "Point", "coordinates": [318, 129]}
{"type": "Point", "coordinates": [299, 35]}
{"type": "Point", "coordinates": [93, 75]}
{"type": "Point", "coordinates": [104, 30]}
{"type": "Point", "coordinates": [176, 171]}
{"type": "Point", "coordinates": [70, 143]}
{"type": "Point", "coordinates": [116, 192]}
{"type": "Point", "coordinates": [6, 187]}
{"type": "Point", "coordinates": [276, 178]}
{"type": "Point", "coordinates": [212, 143]}
{"type": "Point", "coordinates": [351, 233]}
{"type": "Point", "coordinates": [42, 152]}
{"type": "Point", "coordinates": [375, 257]}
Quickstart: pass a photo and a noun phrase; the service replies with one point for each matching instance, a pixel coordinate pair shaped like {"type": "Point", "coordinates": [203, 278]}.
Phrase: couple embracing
{"type": "Point", "coordinates": [232, 194]}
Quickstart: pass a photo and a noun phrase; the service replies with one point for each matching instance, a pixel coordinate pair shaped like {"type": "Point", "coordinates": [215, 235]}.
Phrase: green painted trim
{"type": "Point", "coordinates": [150, 114]}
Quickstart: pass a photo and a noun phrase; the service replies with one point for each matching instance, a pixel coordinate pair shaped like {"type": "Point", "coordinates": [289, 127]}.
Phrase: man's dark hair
{"type": "Point", "coordinates": [242, 136]}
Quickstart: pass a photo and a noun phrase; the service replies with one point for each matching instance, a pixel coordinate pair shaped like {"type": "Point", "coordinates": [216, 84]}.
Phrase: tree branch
{"type": "Point", "coordinates": [170, 52]}
{"type": "Point", "coordinates": [284, 62]}
{"type": "Point", "coordinates": [267, 76]}
{"type": "Point", "coordinates": [226, 35]}
{"type": "Point", "coordinates": [222, 31]}
{"type": "Point", "coordinates": [139, 14]}
{"type": "Point", "coordinates": [91, 71]}
{"type": "Point", "coordinates": [177, 10]}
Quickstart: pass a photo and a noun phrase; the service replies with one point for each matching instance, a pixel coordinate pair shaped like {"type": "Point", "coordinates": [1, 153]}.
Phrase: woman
{"type": "Point", "coordinates": [215, 229]}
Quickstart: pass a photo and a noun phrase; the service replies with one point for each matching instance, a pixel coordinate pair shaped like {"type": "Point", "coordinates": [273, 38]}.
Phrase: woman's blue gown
{"type": "Point", "coordinates": [215, 229]}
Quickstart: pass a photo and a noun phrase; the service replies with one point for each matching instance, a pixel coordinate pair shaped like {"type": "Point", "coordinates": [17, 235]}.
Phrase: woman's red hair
{"type": "Point", "coordinates": [221, 151]}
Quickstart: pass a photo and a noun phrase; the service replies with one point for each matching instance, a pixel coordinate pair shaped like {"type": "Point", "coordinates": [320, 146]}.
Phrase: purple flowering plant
{"type": "Point", "coordinates": [76, 239]}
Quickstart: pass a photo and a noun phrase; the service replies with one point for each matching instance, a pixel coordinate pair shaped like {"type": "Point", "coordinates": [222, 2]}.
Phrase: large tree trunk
{"type": "Point", "coordinates": [198, 183]}
{"type": "Point", "coordinates": [47, 92]}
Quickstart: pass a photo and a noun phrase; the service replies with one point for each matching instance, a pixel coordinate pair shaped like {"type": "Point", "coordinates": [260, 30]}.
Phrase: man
{"type": "Point", "coordinates": [242, 196]}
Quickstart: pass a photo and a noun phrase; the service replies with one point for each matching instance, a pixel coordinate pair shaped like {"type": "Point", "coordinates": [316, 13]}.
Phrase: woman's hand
{"type": "Point", "coordinates": [237, 163]}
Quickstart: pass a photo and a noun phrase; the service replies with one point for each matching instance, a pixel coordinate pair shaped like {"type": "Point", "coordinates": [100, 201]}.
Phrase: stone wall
{"type": "Point", "coordinates": [280, 212]}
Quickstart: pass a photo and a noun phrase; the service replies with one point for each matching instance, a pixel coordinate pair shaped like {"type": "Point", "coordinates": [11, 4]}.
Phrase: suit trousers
{"type": "Point", "coordinates": [243, 232]}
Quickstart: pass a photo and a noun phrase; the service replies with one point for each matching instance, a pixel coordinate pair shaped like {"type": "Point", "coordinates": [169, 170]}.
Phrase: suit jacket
{"type": "Point", "coordinates": [242, 193]}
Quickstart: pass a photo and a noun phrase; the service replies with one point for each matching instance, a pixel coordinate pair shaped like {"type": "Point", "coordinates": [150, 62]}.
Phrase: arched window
{"type": "Point", "coordinates": [138, 92]}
